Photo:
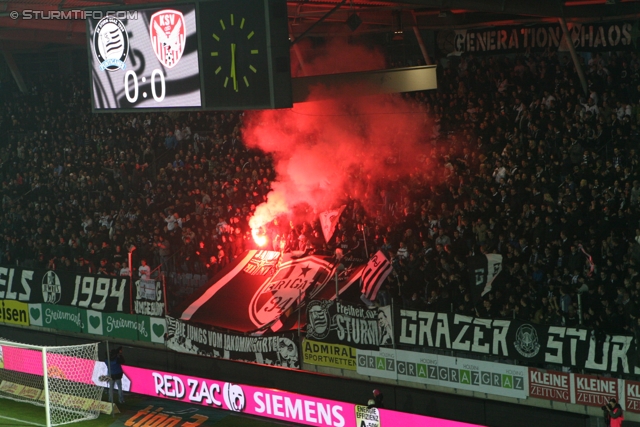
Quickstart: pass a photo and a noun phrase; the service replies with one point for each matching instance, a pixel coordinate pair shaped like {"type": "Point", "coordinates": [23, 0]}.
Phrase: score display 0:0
{"type": "Point", "coordinates": [132, 74]}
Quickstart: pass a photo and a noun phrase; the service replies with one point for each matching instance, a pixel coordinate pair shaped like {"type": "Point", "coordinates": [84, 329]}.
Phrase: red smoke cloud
{"type": "Point", "coordinates": [327, 150]}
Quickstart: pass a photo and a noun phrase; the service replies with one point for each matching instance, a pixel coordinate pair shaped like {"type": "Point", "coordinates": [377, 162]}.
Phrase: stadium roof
{"type": "Point", "coordinates": [329, 17]}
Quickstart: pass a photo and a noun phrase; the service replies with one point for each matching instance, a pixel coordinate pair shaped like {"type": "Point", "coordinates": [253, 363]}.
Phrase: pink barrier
{"type": "Point", "coordinates": [264, 402]}
{"type": "Point", "coordinates": [259, 401]}
{"type": "Point", "coordinates": [58, 365]}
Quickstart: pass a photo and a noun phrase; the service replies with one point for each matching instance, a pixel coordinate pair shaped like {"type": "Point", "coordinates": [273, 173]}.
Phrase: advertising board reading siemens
{"type": "Point", "coordinates": [270, 403]}
{"type": "Point", "coordinates": [148, 62]}
{"type": "Point", "coordinates": [516, 339]}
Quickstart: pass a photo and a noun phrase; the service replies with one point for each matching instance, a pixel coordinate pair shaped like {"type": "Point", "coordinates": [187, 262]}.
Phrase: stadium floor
{"type": "Point", "coordinates": [133, 412]}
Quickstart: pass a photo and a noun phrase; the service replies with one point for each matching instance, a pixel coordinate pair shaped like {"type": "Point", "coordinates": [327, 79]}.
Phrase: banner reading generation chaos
{"type": "Point", "coordinates": [515, 339]}
{"type": "Point", "coordinates": [585, 37]}
{"type": "Point", "coordinates": [89, 291]}
{"type": "Point", "coordinates": [275, 350]}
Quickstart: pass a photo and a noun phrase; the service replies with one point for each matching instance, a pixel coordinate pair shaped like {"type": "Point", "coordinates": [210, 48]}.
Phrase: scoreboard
{"type": "Point", "coordinates": [222, 55]}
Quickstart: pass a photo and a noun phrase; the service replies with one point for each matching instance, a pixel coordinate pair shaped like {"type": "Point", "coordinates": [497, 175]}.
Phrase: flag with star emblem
{"type": "Point", "coordinates": [260, 289]}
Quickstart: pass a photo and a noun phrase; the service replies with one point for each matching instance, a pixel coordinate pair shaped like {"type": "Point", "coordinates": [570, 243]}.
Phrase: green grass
{"type": "Point", "coordinates": [26, 415]}
{"type": "Point", "coordinates": [33, 414]}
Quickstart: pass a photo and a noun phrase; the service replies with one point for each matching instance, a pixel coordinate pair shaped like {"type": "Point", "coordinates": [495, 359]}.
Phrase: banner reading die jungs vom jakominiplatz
{"type": "Point", "coordinates": [279, 349]}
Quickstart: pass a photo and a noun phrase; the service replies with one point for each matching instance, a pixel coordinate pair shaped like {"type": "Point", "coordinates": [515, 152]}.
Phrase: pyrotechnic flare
{"type": "Point", "coordinates": [259, 236]}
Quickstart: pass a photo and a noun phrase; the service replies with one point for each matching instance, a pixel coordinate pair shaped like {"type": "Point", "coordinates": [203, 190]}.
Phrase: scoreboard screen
{"type": "Point", "coordinates": [147, 61]}
{"type": "Point", "coordinates": [205, 55]}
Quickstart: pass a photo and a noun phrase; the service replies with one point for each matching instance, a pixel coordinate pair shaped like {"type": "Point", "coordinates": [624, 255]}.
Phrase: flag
{"type": "Point", "coordinates": [329, 220]}
{"type": "Point", "coordinates": [260, 289]}
{"type": "Point", "coordinates": [483, 270]}
{"type": "Point", "coordinates": [374, 275]}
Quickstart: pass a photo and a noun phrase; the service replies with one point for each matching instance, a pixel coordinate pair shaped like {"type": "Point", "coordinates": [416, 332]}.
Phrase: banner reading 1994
{"type": "Point", "coordinates": [88, 291]}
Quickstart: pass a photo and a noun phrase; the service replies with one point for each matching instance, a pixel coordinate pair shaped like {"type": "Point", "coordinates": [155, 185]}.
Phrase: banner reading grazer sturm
{"type": "Point", "coordinates": [93, 292]}
{"type": "Point", "coordinates": [275, 350]}
{"type": "Point", "coordinates": [515, 339]}
{"type": "Point", "coordinates": [148, 298]}
{"type": "Point", "coordinates": [339, 323]}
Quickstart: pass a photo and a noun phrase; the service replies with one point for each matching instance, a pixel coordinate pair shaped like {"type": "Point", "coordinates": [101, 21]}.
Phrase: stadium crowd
{"type": "Point", "coordinates": [524, 164]}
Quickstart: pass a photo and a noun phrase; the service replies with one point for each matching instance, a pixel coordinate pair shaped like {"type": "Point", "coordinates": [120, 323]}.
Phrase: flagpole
{"type": "Point", "coordinates": [299, 304]}
{"type": "Point", "coordinates": [393, 326]}
{"type": "Point", "coordinates": [364, 238]}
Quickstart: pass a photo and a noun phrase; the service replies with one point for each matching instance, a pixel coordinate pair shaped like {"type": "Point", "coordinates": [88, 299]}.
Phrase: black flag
{"type": "Point", "coordinates": [483, 270]}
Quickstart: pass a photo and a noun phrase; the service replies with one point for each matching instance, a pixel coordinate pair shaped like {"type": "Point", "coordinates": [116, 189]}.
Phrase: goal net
{"type": "Point", "coordinates": [57, 378]}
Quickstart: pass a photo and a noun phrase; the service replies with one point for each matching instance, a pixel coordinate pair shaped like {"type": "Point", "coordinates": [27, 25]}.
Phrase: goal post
{"type": "Point", "coordinates": [56, 378]}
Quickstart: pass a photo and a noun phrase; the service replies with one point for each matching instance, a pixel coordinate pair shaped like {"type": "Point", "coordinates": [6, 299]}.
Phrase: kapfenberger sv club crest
{"type": "Point", "coordinates": [168, 36]}
{"type": "Point", "coordinates": [284, 289]}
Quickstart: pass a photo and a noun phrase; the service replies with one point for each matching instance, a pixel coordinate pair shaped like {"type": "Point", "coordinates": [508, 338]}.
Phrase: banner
{"type": "Point", "coordinates": [265, 289]}
{"type": "Point", "coordinates": [466, 374]}
{"type": "Point", "coordinates": [515, 339]}
{"type": "Point", "coordinates": [100, 293]}
{"type": "Point", "coordinates": [511, 39]}
{"type": "Point", "coordinates": [60, 318]}
{"type": "Point", "coordinates": [632, 396]}
{"type": "Point", "coordinates": [148, 298]}
{"type": "Point", "coordinates": [339, 323]}
{"type": "Point", "coordinates": [116, 325]}
{"type": "Point", "coordinates": [276, 350]}
{"type": "Point", "coordinates": [14, 313]}
{"type": "Point", "coordinates": [595, 391]}
{"type": "Point", "coordinates": [331, 355]}
{"type": "Point", "coordinates": [550, 385]}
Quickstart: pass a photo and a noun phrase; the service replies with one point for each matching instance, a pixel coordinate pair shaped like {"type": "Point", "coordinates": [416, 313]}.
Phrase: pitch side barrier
{"type": "Point", "coordinates": [317, 389]}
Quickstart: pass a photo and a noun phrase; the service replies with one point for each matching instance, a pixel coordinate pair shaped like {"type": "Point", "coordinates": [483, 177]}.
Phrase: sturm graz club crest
{"type": "Point", "coordinates": [234, 397]}
{"type": "Point", "coordinates": [111, 44]}
{"type": "Point", "coordinates": [527, 341]}
{"type": "Point", "coordinates": [318, 319]}
{"type": "Point", "coordinates": [51, 288]}
{"type": "Point", "coordinates": [168, 36]}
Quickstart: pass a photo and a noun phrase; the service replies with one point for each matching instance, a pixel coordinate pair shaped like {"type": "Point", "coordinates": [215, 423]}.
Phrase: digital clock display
{"type": "Point", "coordinates": [147, 61]}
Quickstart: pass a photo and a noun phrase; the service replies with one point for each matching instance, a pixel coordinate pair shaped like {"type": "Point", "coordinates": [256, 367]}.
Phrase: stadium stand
{"type": "Point", "coordinates": [538, 172]}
